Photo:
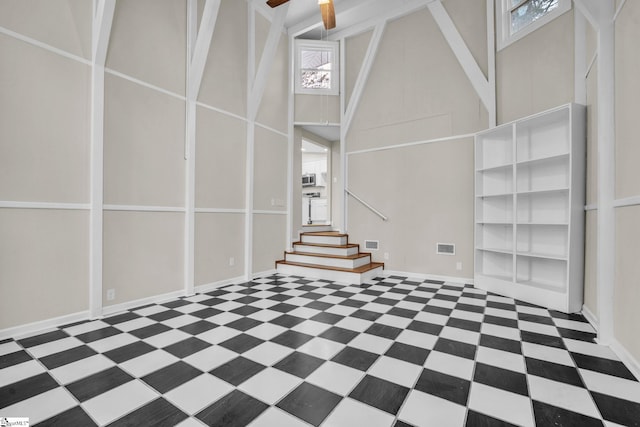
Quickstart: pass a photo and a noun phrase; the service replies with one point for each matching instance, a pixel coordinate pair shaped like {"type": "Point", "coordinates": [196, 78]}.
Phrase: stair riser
{"type": "Point", "coordinates": [326, 250]}
{"type": "Point", "coordinates": [307, 229]}
{"type": "Point", "coordinates": [324, 240]}
{"type": "Point", "coordinates": [328, 262]}
{"type": "Point", "coordinates": [337, 276]}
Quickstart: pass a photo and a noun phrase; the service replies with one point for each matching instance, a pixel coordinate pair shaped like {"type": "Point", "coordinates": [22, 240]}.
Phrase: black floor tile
{"type": "Point", "coordinates": [604, 366]}
{"type": "Point", "coordinates": [283, 307]}
{"type": "Point", "coordinates": [292, 339]}
{"type": "Point", "coordinates": [366, 315]}
{"type": "Point", "coordinates": [403, 312]}
{"type": "Point", "coordinates": [437, 310]}
{"type": "Point", "coordinates": [241, 343]}
{"type": "Point", "coordinates": [164, 315]}
{"type": "Point", "coordinates": [287, 321]}
{"type": "Point", "coordinates": [470, 307]}
{"type": "Point", "coordinates": [26, 389]}
{"type": "Point", "coordinates": [548, 415]}
{"type": "Point", "coordinates": [380, 393]}
{"type": "Point", "coordinates": [577, 335]}
{"type": "Point", "coordinates": [448, 387]}
{"type": "Point", "coordinates": [312, 296]}
{"type": "Point", "coordinates": [464, 324]}
{"type": "Point", "coordinates": [554, 371]}
{"type": "Point", "coordinates": [476, 419]}
{"type": "Point", "coordinates": [280, 297]}
{"type": "Point", "coordinates": [355, 358]}
{"type": "Point", "coordinates": [299, 364]}
{"type": "Point", "coordinates": [236, 409]}
{"type": "Point", "coordinates": [72, 417]}
{"type": "Point", "coordinates": [98, 383]}
{"type": "Point", "coordinates": [237, 370]}
{"type": "Point", "coordinates": [43, 338]}
{"type": "Point", "coordinates": [352, 303]}
{"type": "Point", "coordinates": [187, 347]}
{"type": "Point", "coordinates": [14, 358]}
{"type": "Point", "coordinates": [245, 311]}
{"type": "Point", "coordinates": [446, 297]}
{"type": "Point", "coordinates": [309, 403]}
{"type": "Point", "coordinates": [542, 339]}
{"type": "Point", "coordinates": [319, 305]}
{"type": "Point", "coordinates": [401, 424]}
{"type": "Point", "coordinates": [206, 312]}
{"type": "Point", "coordinates": [328, 318]}
{"type": "Point", "coordinates": [383, 331]}
{"type": "Point", "coordinates": [385, 301]}
{"type": "Point", "coordinates": [419, 300]}
{"type": "Point", "coordinates": [247, 300]}
{"type": "Point", "coordinates": [212, 302]}
{"type": "Point", "coordinates": [176, 303]}
{"type": "Point", "coordinates": [56, 360]}
{"type": "Point", "coordinates": [171, 376]}
{"type": "Point", "coordinates": [619, 411]}
{"type": "Point", "coordinates": [98, 334]}
{"type": "Point", "coordinates": [198, 327]}
{"type": "Point", "coordinates": [544, 320]}
{"type": "Point", "coordinates": [500, 343]}
{"type": "Point", "coordinates": [424, 327]}
{"type": "Point", "coordinates": [503, 379]}
{"type": "Point", "coordinates": [149, 331]}
{"type": "Point", "coordinates": [456, 348]}
{"type": "Point", "coordinates": [339, 334]}
{"type": "Point", "coordinates": [120, 318]}
{"type": "Point", "coordinates": [501, 305]}
{"type": "Point", "coordinates": [244, 324]}
{"type": "Point", "coordinates": [129, 351]}
{"type": "Point", "coordinates": [501, 321]}
{"type": "Point", "coordinates": [157, 413]}
{"type": "Point", "coordinates": [408, 353]}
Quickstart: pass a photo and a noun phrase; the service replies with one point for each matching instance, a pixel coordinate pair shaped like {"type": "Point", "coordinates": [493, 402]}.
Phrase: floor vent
{"type": "Point", "coordinates": [446, 249]}
{"type": "Point", "coordinates": [371, 245]}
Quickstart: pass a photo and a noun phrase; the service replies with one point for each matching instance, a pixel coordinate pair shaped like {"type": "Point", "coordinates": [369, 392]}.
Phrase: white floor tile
{"type": "Point", "coordinates": [218, 335]}
{"type": "Point", "coordinates": [224, 318]}
{"type": "Point", "coordinates": [501, 359]}
{"type": "Point", "coordinates": [538, 328]}
{"type": "Point", "coordinates": [372, 343]}
{"type": "Point", "coordinates": [498, 312]}
{"type": "Point", "coordinates": [330, 299]}
{"type": "Point", "coordinates": [167, 338]}
{"type": "Point", "coordinates": [441, 303]}
{"type": "Point", "coordinates": [148, 311]}
{"type": "Point", "coordinates": [179, 321]}
{"type": "Point", "coordinates": [147, 363]}
{"type": "Point", "coordinates": [109, 343]}
{"type": "Point", "coordinates": [572, 324]}
{"type": "Point", "coordinates": [200, 392]}
{"type": "Point", "coordinates": [591, 349]}
{"type": "Point", "coordinates": [397, 371]}
{"type": "Point", "coordinates": [82, 368]}
{"type": "Point", "coordinates": [501, 404]}
{"type": "Point", "coordinates": [53, 347]}
{"type": "Point", "coordinates": [436, 319]}
{"type": "Point", "coordinates": [532, 310]}
{"type": "Point", "coordinates": [42, 406]}
{"type": "Point", "coordinates": [500, 331]}
{"type": "Point", "coordinates": [9, 347]}
{"type": "Point", "coordinates": [190, 422]}
{"type": "Point", "coordinates": [270, 385]}
{"type": "Point", "coordinates": [350, 412]}
{"type": "Point", "coordinates": [277, 417]}
{"type": "Point", "coordinates": [86, 327]}
{"type": "Point", "coordinates": [563, 396]}
{"type": "Point", "coordinates": [20, 372]}
{"type": "Point", "coordinates": [322, 348]}
{"type": "Point", "coordinates": [109, 406]}
{"type": "Point", "coordinates": [267, 353]}
{"type": "Point", "coordinates": [395, 321]}
{"type": "Point", "coordinates": [342, 310]}
{"type": "Point", "coordinates": [311, 327]}
{"type": "Point", "coordinates": [131, 325]}
{"type": "Point", "coordinates": [417, 339]}
{"type": "Point", "coordinates": [358, 325]}
{"type": "Point", "coordinates": [549, 354]}
{"type": "Point", "coordinates": [410, 305]}
{"type": "Point", "coordinates": [462, 335]}
{"type": "Point", "coordinates": [378, 308]}
{"type": "Point", "coordinates": [335, 377]}
{"type": "Point", "coordinates": [450, 365]}
{"type": "Point", "coordinates": [210, 358]}
{"type": "Point", "coordinates": [191, 308]}
{"type": "Point", "coordinates": [266, 331]}
{"type": "Point", "coordinates": [468, 315]}
{"type": "Point", "coordinates": [614, 386]}
{"type": "Point", "coordinates": [263, 303]}
{"type": "Point", "coordinates": [425, 410]}
{"type": "Point", "coordinates": [265, 315]}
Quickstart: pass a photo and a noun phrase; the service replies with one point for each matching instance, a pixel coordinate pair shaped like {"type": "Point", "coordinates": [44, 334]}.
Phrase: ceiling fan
{"type": "Point", "coordinates": [326, 9]}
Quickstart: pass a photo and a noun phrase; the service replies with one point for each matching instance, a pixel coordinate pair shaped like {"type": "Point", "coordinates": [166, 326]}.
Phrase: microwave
{"type": "Point", "coordinates": [309, 180]}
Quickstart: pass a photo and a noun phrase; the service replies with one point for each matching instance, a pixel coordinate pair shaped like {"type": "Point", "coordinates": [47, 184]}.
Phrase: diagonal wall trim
{"type": "Point", "coordinates": [411, 144]}
{"type": "Point", "coordinates": [143, 208]}
{"type": "Point", "coordinates": [201, 50]}
{"type": "Point", "coordinates": [145, 84]}
{"type": "Point", "coordinates": [48, 47]}
{"type": "Point", "coordinates": [627, 201]}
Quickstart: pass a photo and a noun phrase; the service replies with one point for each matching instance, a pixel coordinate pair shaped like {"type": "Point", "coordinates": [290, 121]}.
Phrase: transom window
{"type": "Point", "coordinates": [317, 67]}
{"type": "Point", "coordinates": [517, 18]}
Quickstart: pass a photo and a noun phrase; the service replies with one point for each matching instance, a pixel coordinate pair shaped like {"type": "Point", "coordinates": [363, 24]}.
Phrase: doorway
{"type": "Point", "coordinates": [315, 186]}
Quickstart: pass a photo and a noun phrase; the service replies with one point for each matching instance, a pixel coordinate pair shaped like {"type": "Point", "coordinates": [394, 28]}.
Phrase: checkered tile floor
{"type": "Point", "coordinates": [286, 351]}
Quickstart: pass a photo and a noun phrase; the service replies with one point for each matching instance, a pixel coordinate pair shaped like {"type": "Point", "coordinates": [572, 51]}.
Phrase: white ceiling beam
{"type": "Point", "coordinates": [266, 60]}
{"type": "Point", "coordinates": [463, 54]}
{"type": "Point", "coordinates": [105, 10]}
{"type": "Point", "coordinates": [201, 50]}
{"type": "Point", "coordinates": [376, 17]}
{"type": "Point", "coordinates": [363, 76]}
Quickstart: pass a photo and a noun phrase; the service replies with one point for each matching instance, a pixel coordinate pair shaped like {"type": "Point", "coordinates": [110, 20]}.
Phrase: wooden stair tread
{"type": "Point", "coordinates": [326, 245]}
{"type": "Point", "coordinates": [362, 269]}
{"type": "Point", "coordinates": [323, 233]}
{"type": "Point", "coordinates": [354, 256]}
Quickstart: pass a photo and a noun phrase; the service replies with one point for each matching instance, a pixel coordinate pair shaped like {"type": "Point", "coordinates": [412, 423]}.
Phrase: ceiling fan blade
{"type": "Point", "coordinates": [276, 3]}
{"type": "Point", "coordinates": [328, 14]}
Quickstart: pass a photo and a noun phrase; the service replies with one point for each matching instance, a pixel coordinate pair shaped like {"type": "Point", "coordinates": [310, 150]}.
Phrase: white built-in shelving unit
{"type": "Point", "coordinates": [529, 208]}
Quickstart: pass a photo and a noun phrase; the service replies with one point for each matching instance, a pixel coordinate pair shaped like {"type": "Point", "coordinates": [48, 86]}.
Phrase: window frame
{"type": "Point", "coordinates": [334, 47]}
{"type": "Point", "coordinates": [503, 21]}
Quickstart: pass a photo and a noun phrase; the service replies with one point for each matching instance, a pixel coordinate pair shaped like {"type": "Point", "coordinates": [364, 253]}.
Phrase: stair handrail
{"type": "Point", "coordinates": [367, 205]}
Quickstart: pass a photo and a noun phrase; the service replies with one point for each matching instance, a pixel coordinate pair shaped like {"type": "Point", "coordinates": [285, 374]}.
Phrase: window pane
{"type": "Point", "coordinates": [316, 59]}
{"type": "Point", "coordinates": [312, 79]}
{"type": "Point", "coordinates": [529, 12]}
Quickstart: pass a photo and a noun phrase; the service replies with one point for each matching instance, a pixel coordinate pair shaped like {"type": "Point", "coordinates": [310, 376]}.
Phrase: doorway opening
{"type": "Point", "coordinates": [316, 183]}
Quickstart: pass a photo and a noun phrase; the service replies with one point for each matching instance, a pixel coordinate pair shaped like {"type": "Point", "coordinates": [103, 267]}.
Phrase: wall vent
{"type": "Point", "coordinates": [446, 249]}
{"type": "Point", "coordinates": [371, 245]}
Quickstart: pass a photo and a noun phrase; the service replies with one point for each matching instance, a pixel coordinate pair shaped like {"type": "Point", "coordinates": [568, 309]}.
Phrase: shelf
{"type": "Point", "coordinates": [496, 250]}
{"type": "Point", "coordinates": [486, 196]}
{"type": "Point", "coordinates": [541, 255]}
{"type": "Point", "coordinates": [542, 223]}
{"type": "Point", "coordinates": [548, 190]}
{"type": "Point", "coordinates": [560, 288]}
{"type": "Point", "coordinates": [542, 159]}
{"type": "Point", "coordinates": [489, 222]}
{"type": "Point", "coordinates": [495, 168]}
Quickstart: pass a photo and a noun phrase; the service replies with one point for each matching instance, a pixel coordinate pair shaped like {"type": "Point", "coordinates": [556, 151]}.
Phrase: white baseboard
{"type": "Point", "coordinates": [591, 318]}
{"type": "Point", "coordinates": [422, 276]}
{"type": "Point", "coordinates": [157, 299]}
{"type": "Point", "coordinates": [263, 273]}
{"type": "Point", "coordinates": [202, 289]}
{"type": "Point", "coordinates": [42, 325]}
{"type": "Point", "coordinates": [629, 361]}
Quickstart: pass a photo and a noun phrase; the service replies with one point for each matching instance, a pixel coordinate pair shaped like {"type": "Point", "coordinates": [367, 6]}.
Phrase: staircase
{"type": "Point", "coordinates": [329, 255]}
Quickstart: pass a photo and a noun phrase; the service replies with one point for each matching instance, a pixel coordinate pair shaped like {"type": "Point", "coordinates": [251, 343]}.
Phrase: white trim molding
{"type": "Point", "coordinates": [411, 144]}
{"type": "Point", "coordinates": [47, 47]}
{"type": "Point", "coordinates": [156, 299]}
{"type": "Point", "coordinates": [203, 289]}
{"type": "Point", "coordinates": [45, 205]}
{"type": "Point", "coordinates": [29, 329]}
{"type": "Point", "coordinates": [627, 201]}
{"type": "Point", "coordinates": [627, 358]}
{"type": "Point", "coordinates": [591, 318]}
{"type": "Point", "coordinates": [141, 208]}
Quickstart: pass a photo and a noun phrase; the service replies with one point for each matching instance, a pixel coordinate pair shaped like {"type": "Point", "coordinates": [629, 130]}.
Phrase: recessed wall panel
{"type": "Point", "coordinates": [143, 254]}
{"type": "Point", "coordinates": [270, 171]}
{"type": "Point", "coordinates": [269, 242]}
{"type": "Point", "coordinates": [44, 264]}
{"type": "Point", "coordinates": [44, 125]}
{"type": "Point", "coordinates": [143, 145]}
{"type": "Point", "coordinates": [219, 247]}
